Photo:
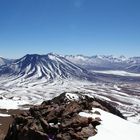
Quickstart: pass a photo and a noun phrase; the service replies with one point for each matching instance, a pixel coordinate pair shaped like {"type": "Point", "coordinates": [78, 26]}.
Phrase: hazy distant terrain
{"type": "Point", "coordinates": [107, 62]}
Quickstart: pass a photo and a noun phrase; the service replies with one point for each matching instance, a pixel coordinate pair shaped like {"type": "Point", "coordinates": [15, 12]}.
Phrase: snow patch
{"type": "Point", "coordinates": [116, 87]}
{"type": "Point", "coordinates": [4, 115]}
{"type": "Point", "coordinates": [113, 127]}
{"type": "Point", "coordinates": [72, 96]}
{"type": "Point", "coordinates": [11, 104]}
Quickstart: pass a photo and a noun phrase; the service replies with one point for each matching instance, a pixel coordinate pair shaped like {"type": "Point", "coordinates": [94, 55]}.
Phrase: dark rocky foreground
{"type": "Point", "coordinates": [5, 121]}
{"type": "Point", "coordinates": [58, 119]}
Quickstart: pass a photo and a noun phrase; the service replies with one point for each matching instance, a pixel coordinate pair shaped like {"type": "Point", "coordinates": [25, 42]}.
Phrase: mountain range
{"type": "Point", "coordinates": [104, 62]}
{"type": "Point", "coordinates": [50, 66]}
{"type": "Point", "coordinates": [53, 66]}
{"type": "Point", "coordinates": [96, 62]}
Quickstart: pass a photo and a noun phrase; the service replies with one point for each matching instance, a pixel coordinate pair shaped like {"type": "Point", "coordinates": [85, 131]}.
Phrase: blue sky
{"type": "Point", "coordinates": [69, 27]}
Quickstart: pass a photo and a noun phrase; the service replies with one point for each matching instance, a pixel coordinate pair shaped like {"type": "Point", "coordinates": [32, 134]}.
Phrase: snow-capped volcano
{"type": "Point", "coordinates": [50, 66]}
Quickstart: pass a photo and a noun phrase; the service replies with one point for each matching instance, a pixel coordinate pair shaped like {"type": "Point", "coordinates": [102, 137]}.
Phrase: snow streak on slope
{"type": "Point", "coordinates": [113, 127]}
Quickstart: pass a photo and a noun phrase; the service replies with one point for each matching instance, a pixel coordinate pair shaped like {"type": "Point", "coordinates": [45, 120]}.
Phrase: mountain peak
{"type": "Point", "coordinates": [53, 56]}
{"type": "Point", "coordinates": [49, 66]}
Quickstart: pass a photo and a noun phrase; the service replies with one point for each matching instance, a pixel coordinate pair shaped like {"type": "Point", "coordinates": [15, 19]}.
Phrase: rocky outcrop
{"type": "Point", "coordinates": [57, 119]}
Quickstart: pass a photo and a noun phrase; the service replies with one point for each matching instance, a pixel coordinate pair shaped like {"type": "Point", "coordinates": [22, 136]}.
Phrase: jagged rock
{"type": "Point", "coordinates": [44, 124]}
{"type": "Point", "coordinates": [98, 119]}
{"type": "Point", "coordinates": [65, 136]}
{"type": "Point", "coordinates": [97, 112]}
{"type": "Point", "coordinates": [95, 123]}
{"type": "Point", "coordinates": [85, 133]}
{"type": "Point", "coordinates": [58, 119]}
{"type": "Point", "coordinates": [72, 108]}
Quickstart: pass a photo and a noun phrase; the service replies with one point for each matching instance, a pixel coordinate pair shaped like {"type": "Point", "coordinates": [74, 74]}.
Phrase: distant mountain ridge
{"type": "Point", "coordinates": [104, 62]}
{"type": "Point", "coordinates": [4, 61]}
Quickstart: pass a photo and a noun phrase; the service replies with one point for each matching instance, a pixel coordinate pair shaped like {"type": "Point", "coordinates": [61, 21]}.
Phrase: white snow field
{"type": "Point", "coordinates": [118, 72]}
{"type": "Point", "coordinates": [113, 127]}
